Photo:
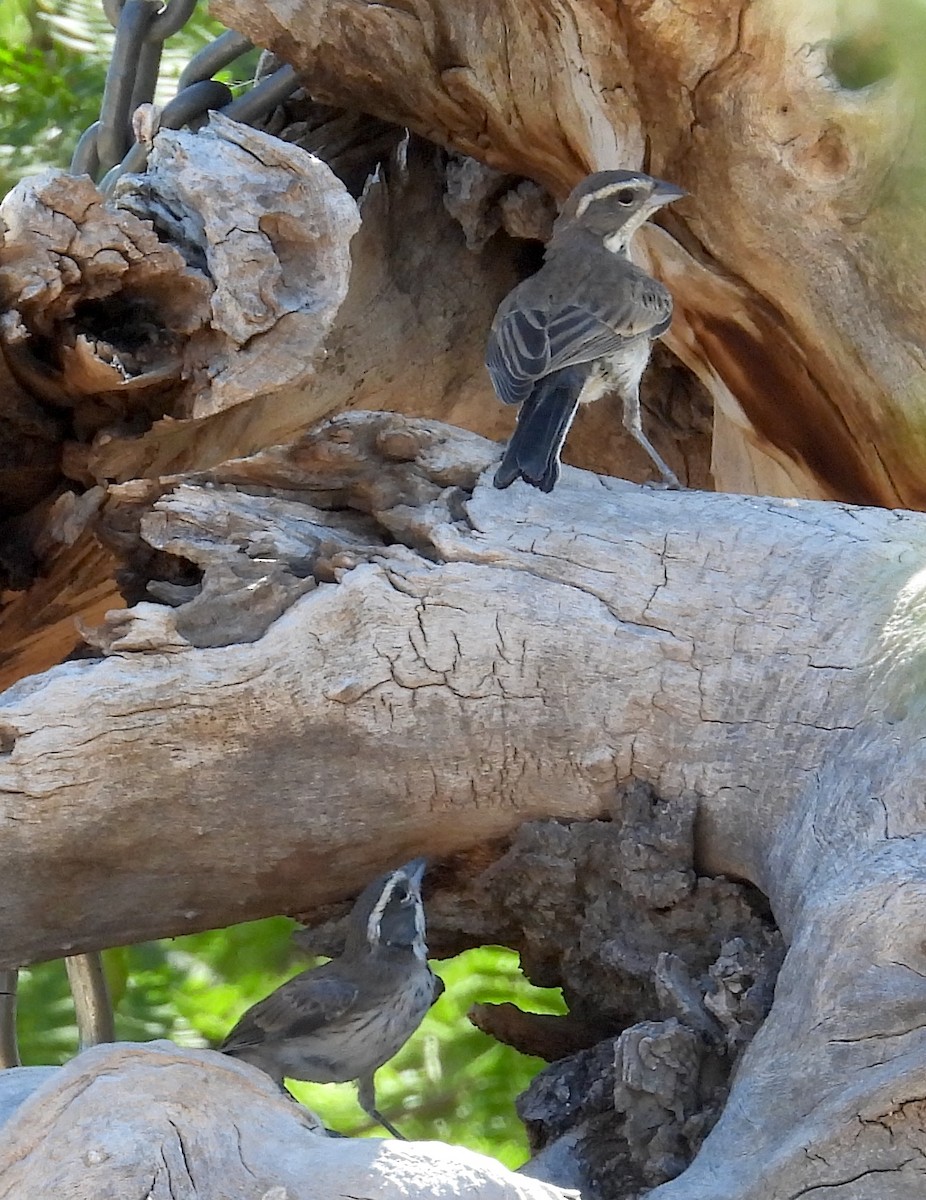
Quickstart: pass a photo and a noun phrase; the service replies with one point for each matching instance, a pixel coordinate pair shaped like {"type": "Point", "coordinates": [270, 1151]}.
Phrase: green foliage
{"type": "Point", "coordinates": [47, 99]}
{"type": "Point", "coordinates": [878, 42]}
{"type": "Point", "coordinates": [450, 1081]}
{"type": "Point", "coordinates": [53, 60]}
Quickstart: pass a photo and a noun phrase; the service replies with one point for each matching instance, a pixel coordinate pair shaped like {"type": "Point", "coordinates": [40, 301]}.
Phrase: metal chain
{"type": "Point", "coordinates": [111, 147]}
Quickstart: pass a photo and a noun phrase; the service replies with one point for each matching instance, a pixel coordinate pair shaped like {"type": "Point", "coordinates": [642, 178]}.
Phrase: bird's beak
{"type": "Point", "coordinates": [665, 193]}
{"type": "Point", "coordinates": [414, 871]}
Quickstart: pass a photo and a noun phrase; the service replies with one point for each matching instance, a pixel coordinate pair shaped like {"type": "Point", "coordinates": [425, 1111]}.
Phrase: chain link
{"type": "Point", "coordinates": [110, 147]}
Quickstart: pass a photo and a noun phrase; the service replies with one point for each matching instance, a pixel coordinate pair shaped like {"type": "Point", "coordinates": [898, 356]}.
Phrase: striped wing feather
{"type": "Point", "coordinates": [527, 343]}
{"type": "Point", "coordinates": [297, 1008]}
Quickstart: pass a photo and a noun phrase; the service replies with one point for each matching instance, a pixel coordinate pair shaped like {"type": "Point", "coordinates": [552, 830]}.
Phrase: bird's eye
{"type": "Point", "coordinates": [626, 196]}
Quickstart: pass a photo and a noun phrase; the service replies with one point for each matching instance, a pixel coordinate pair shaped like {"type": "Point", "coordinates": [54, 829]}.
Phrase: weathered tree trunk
{"type": "Point", "coordinates": [618, 717]}
{"type": "Point", "coordinates": [384, 653]}
{"type": "Point", "coordinates": [193, 1123]}
{"type": "Point", "coordinates": [796, 261]}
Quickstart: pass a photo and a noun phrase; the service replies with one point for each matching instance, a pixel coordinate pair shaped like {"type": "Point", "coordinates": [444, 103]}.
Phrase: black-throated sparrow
{"type": "Point", "coordinates": [341, 1021]}
{"type": "Point", "coordinates": [582, 326]}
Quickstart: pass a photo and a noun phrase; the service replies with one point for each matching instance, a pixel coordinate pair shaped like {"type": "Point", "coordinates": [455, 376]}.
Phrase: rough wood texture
{"type": "Point", "coordinates": [196, 1124]}
{"type": "Point", "coordinates": [421, 663]}
{"type": "Point", "coordinates": [735, 578]}
{"type": "Point", "coordinates": [239, 253]}
{"type": "Point", "coordinates": [42, 626]}
{"type": "Point", "coordinates": [175, 328]}
{"type": "Point", "coordinates": [795, 264]}
{"type": "Point", "coordinates": [659, 966]}
{"type": "Point", "coordinates": [353, 648]}
{"type": "Point", "coordinates": [409, 334]}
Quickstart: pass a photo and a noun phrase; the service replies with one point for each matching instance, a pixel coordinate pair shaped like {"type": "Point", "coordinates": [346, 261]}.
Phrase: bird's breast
{"type": "Point", "coordinates": [363, 1039]}
{"type": "Point", "coordinates": [620, 372]}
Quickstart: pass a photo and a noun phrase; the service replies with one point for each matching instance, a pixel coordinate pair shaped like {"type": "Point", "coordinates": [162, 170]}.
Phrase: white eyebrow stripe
{"type": "Point", "coordinates": [420, 947]}
{"type": "Point", "coordinates": [603, 193]}
{"type": "Point", "coordinates": [379, 907]}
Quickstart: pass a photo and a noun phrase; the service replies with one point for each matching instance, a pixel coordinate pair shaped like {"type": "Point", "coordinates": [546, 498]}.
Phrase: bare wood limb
{"type": "Point", "coordinates": [794, 263]}
{"type": "Point", "coordinates": [367, 601]}
{"type": "Point", "coordinates": [174, 338]}
{"type": "Point", "coordinates": [9, 1046]}
{"type": "Point", "coordinates": [665, 626]}
{"type": "Point", "coordinates": [196, 1123]}
{"type": "Point", "coordinates": [92, 1005]}
{"type": "Point", "coordinates": [252, 262]}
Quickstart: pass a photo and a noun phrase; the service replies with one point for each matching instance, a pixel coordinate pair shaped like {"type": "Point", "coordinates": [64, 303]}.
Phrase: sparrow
{"type": "Point", "coordinates": [582, 326]}
{"type": "Point", "coordinates": [341, 1021]}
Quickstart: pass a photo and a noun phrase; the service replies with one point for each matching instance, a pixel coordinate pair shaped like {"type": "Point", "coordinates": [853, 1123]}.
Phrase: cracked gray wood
{"type": "Point", "coordinates": [196, 1124]}
{"type": "Point", "coordinates": [430, 662]}
{"type": "Point", "coordinates": [230, 251]}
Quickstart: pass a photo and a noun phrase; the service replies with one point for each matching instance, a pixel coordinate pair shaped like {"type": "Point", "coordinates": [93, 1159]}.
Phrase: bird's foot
{"type": "Point", "coordinates": [665, 485]}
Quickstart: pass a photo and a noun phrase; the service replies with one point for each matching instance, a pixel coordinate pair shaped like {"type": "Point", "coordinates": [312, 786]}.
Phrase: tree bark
{"type": "Point", "coordinates": [419, 662]}
{"type": "Point", "coordinates": [614, 716]}
{"type": "Point", "coordinates": [157, 324]}
{"type": "Point", "coordinates": [795, 262]}
{"type": "Point", "coordinates": [194, 1123]}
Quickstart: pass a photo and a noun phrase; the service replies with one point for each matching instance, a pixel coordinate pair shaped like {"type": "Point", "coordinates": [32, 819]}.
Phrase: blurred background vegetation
{"type": "Point", "coordinates": [449, 1082]}
{"type": "Point", "coordinates": [53, 60]}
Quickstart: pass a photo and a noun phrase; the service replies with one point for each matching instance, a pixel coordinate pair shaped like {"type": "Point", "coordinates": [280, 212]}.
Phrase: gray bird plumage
{"type": "Point", "coordinates": [582, 326]}
{"type": "Point", "coordinates": [341, 1021]}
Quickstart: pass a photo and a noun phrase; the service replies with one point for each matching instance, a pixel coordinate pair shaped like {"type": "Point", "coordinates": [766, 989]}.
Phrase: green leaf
{"type": "Point", "coordinates": [450, 1081]}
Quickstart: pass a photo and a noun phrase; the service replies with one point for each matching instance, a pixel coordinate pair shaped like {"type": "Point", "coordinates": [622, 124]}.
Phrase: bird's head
{"type": "Point", "coordinates": [389, 914]}
{"type": "Point", "coordinates": [614, 204]}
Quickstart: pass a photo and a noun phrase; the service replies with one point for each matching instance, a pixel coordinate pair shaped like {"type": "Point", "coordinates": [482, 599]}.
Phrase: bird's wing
{"type": "Point", "coordinates": [530, 342]}
{"type": "Point", "coordinates": [297, 1008]}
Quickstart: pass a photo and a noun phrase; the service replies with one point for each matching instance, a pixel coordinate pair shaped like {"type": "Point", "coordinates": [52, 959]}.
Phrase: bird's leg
{"type": "Point", "coordinates": [367, 1097]}
{"type": "Point", "coordinates": [634, 426]}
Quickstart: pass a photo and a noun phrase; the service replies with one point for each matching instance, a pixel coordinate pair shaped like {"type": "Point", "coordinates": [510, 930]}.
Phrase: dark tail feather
{"type": "Point", "coordinates": [543, 422]}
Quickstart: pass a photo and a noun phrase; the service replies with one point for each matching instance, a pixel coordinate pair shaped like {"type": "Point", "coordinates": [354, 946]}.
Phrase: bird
{"type": "Point", "coordinates": [342, 1020]}
{"type": "Point", "coordinates": [582, 326]}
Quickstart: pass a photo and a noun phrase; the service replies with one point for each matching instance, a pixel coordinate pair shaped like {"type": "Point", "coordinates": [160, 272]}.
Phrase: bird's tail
{"type": "Point", "coordinates": [543, 422]}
